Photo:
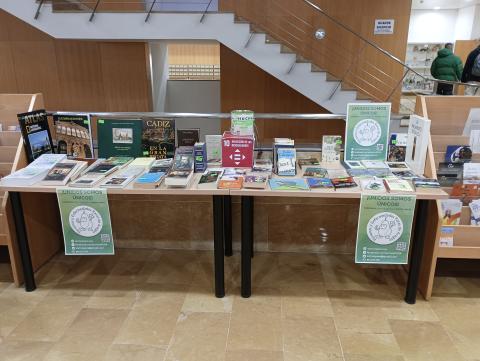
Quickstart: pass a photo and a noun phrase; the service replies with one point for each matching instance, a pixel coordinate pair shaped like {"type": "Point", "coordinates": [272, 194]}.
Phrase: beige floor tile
{"type": "Point", "coordinates": [199, 299]}
{"type": "Point", "coordinates": [154, 316]}
{"type": "Point", "coordinates": [24, 350]}
{"type": "Point", "coordinates": [254, 355]}
{"type": "Point", "coordinates": [134, 353]}
{"type": "Point", "coordinates": [420, 311]}
{"type": "Point", "coordinates": [424, 341]}
{"type": "Point", "coordinates": [15, 305]}
{"type": "Point", "coordinates": [311, 339]}
{"type": "Point", "coordinates": [305, 300]}
{"type": "Point", "coordinates": [256, 322]}
{"type": "Point", "coordinates": [341, 273]}
{"type": "Point", "coordinates": [49, 319]}
{"type": "Point", "coordinates": [375, 344]}
{"type": "Point", "coordinates": [82, 350]}
{"type": "Point", "coordinates": [456, 317]}
{"type": "Point", "coordinates": [97, 324]}
{"type": "Point", "coordinates": [361, 319]}
{"type": "Point", "coordinates": [350, 357]}
{"type": "Point", "coordinates": [175, 268]}
{"type": "Point", "coordinates": [199, 337]}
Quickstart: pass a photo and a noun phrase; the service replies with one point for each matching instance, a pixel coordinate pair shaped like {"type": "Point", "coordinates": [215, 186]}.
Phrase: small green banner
{"type": "Point", "coordinates": [86, 224]}
{"type": "Point", "coordinates": [242, 122]}
{"type": "Point", "coordinates": [384, 228]}
{"type": "Point", "coordinates": [367, 131]}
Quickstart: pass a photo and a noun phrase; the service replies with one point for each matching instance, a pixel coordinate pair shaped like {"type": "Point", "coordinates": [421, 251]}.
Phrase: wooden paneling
{"type": "Point", "coordinates": [246, 86]}
{"type": "Point", "coordinates": [71, 74]}
{"type": "Point", "coordinates": [201, 53]}
{"type": "Point", "coordinates": [294, 23]}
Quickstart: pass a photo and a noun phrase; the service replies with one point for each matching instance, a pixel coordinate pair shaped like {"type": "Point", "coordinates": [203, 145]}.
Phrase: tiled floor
{"type": "Point", "coordinates": [158, 305]}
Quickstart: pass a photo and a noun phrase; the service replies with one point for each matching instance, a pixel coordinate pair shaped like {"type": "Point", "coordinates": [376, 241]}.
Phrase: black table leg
{"type": "Point", "coordinates": [247, 242]}
{"type": "Point", "coordinates": [418, 241]}
{"type": "Point", "coordinates": [22, 240]}
{"type": "Point", "coordinates": [218, 246]}
{"type": "Point", "coordinates": [227, 225]}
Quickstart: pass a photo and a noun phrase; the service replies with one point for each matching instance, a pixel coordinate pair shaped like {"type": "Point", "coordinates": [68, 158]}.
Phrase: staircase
{"type": "Point", "coordinates": [248, 40]}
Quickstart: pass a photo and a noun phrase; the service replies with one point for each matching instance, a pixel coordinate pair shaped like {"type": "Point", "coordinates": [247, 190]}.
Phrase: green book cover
{"type": "Point", "coordinates": [384, 228]}
{"type": "Point", "coordinates": [119, 138]}
{"type": "Point", "coordinates": [367, 130]}
{"type": "Point", "coordinates": [86, 224]}
{"type": "Point", "coordinates": [158, 138]}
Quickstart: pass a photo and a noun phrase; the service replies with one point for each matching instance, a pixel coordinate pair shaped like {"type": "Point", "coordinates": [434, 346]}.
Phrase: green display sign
{"type": "Point", "coordinates": [384, 228]}
{"type": "Point", "coordinates": [367, 131]}
{"type": "Point", "coordinates": [242, 122]}
{"type": "Point", "coordinates": [85, 214]}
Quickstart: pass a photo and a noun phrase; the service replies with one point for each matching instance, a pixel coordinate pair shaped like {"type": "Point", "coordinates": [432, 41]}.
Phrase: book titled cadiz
{"type": "Point", "coordinates": [158, 137]}
{"type": "Point", "coordinates": [290, 184]}
{"type": "Point", "coordinates": [36, 134]}
{"type": "Point", "coordinates": [119, 138]}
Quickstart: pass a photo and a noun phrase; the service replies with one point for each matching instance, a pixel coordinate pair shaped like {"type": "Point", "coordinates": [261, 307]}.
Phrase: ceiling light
{"type": "Point", "coordinates": [437, 8]}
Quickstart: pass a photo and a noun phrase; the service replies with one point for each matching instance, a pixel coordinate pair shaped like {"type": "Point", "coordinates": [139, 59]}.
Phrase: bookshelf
{"type": "Point", "coordinates": [448, 116]}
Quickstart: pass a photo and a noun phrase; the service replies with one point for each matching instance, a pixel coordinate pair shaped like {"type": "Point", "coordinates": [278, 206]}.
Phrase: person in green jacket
{"type": "Point", "coordinates": [446, 66]}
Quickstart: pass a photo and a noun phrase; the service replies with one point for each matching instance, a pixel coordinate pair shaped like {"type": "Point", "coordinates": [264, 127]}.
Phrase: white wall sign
{"type": "Point", "coordinates": [384, 26]}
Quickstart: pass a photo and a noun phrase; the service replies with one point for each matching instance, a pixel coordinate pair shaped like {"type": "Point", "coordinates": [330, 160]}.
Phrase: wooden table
{"type": "Point", "coordinates": [222, 229]}
{"type": "Point", "coordinates": [418, 234]}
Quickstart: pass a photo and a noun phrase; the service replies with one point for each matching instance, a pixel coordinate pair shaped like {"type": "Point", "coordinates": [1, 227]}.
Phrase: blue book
{"type": "Point", "coordinates": [315, 183]}
{"type": "Point", "coordinates": [286, 162]}
{"type": "Point", "coordinates": [149, 180]}
{"type": "Point", "coordinates": [200, 156]}
{"type": "Point", "coordinates": [290, 184]}
{"type": "Point", "coordinates": [458, 154]}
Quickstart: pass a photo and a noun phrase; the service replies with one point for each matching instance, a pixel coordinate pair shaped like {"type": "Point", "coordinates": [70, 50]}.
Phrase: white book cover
{"type": "Point", "coordinates": [331, 148]}
{"type": "Point", "coordinates": [214, 148]}
{"type": "Point", "coordinates": [417, 143]}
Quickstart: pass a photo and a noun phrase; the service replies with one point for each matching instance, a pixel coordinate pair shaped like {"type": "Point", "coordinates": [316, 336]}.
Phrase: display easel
{"type": "Point", "coordinates": [12, 157]}
{"type": "Point", "coordinates": [448, 116]}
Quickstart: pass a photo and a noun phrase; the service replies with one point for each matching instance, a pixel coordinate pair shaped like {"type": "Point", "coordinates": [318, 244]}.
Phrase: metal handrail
{"type": "Point", "coordinates": [385, 52]}
{"type": "Point", "coordinates": [276, 116]}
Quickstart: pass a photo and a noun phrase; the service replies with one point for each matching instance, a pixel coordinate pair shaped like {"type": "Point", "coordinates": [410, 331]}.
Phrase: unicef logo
{"type": "Point", "coordinates": [367, 132]}
{"type": "Point", "coordinates": [85, 221]}
{"type": "Point", "coordinates": [384, 228]}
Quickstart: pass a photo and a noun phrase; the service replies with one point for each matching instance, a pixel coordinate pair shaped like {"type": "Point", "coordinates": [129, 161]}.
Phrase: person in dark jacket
{"type": "Point", "coordinates": [468, 76]}
{"type": "Point", "coordinates": [446, 66]}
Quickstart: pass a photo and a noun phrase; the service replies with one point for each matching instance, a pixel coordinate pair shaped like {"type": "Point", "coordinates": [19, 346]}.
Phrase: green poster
{"type": "Point", "coordinates": [384, 227]}
{"type": "Point", "coordinates": [367, 130]}
{"type": "Point", "coordinates": [85, 221]}
{"type": "Point", "coordinates": [242, 122]}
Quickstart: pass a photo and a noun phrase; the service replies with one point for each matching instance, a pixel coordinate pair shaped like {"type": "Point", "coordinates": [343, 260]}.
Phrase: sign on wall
{"type": "Point", "coordinates": [85, 214]}
{"type": "Point", "coordinates": [384, 228]}
{"type": "Point", "coordinates": [384, 26]}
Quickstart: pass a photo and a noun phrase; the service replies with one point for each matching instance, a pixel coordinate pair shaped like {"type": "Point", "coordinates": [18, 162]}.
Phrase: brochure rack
{"type": "Point", "coordinates": [448, 116]}
{"type": "Point", "coordinates": [12, 157]}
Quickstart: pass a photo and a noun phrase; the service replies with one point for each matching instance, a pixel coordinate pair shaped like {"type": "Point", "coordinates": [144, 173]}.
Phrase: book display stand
{"type": "Point", "coordinates": [12, 157]}
{"type": "Point", "coordinates": [130, 207]}
{"type": "Point", "coordinates": [449, 116]}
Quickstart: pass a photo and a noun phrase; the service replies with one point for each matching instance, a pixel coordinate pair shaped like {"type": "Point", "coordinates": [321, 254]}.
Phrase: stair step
{"type": "Point", "coordinates": [286, 50]}
{"type": "Point", "coordinates": [5, 168]}
{"type": "Point", "coordinates": [240, 20]}
{"type": "Point", "coordinates": [362, 96]}
{"type": "Point", "coordinates": [271, 40]}
{"type": "Point", "coordinates": [332, 78]}
{"type": "Point", "coordinates": [301, 59]}
{"type": "Point", "coordinates": [7, 153]}
{"type": "Point", "coordinates": [317, 69]}
{"type": "Point", "coordinates": [9, 138]}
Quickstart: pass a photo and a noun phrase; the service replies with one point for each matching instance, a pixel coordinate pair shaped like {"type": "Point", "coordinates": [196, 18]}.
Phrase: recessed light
{"type": "Point", "coordinates": [437, 8]}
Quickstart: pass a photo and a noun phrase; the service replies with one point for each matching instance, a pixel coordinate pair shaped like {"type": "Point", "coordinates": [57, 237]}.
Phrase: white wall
{"type": "Point", "coordinates": [159, 69]}
{"type": "Point", "coordinates": [189, 96]}
{"type": "Point", "coordinates": [444, 26]}
{"type": "Point", "coordinates": [429, 26]}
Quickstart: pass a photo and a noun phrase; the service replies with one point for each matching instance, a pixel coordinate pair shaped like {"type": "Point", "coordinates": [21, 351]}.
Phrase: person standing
{"type": "Point", "coordinates": [446, 66]}
{"type": "Point", "coordinates": [471, 72]}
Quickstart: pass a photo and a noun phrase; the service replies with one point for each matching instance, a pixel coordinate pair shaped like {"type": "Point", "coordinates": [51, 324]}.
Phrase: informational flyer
{"type": "Point", "coordinates": [242, 122]}
{"type": "Point", "coordinates": [384, 228]}
{"type": "Point", "coordinates": [367, 131]}
{"type": "Point", "coordinates": [86, 224]}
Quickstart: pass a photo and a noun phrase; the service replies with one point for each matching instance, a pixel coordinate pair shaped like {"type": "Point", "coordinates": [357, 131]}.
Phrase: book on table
{"type": "Point", "coordinates": [119, 138]}
{"type": "Point", "coordinates": [288, 184]}
{"type": "Point", "coordinates": [64, 172]}
{"type": "Point", "coordinates": [149, 180]}
{"type": "Point", "coordinates": [35, 134]}
{"type": "Point", "coordinates": [158, 137]}
{"type": "Point", "coordinates": [181, 173]}
{"type": "Point", "coordinates": [210, 178]}
{"type": "Point", "coordinates": [255, 181]}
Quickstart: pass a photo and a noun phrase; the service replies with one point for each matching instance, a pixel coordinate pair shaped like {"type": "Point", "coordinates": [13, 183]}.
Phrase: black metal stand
{"type": "Point", "coordinates": [418, 241]}
{"type": "Point", "coordinates": [227, 225]}
{"type": "Point", "coordinates": [22, 240]}
{"type": "Point", "coordinates": [218, 246]}
{"type": "Point", "coordinates": [247, 245]}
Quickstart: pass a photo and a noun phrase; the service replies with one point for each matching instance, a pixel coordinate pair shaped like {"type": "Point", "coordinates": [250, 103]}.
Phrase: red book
{"type": "Point", "coordinates": [237, 151]}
